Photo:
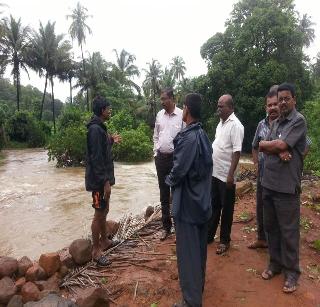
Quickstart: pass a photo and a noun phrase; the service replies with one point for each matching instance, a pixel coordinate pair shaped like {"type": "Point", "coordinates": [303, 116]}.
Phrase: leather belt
{"type": "Point", "coordinates": [164, 154]}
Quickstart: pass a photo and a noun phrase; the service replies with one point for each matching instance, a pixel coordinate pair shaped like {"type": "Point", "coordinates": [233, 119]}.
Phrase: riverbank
{"type": "Point", "coordinates": [145, 274]}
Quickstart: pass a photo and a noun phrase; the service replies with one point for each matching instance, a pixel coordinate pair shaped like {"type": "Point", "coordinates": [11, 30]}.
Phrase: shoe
{"type": "Point", "coordinates": [290, 285]}
{"type": "Point", "coordinates": [222, 248]}
{"type": "Point", "coordinates": [268, 274]}
{"type": "Point", "coordinates": [258, 244]}
{"type": "Point", "coordinates": [164, 235]}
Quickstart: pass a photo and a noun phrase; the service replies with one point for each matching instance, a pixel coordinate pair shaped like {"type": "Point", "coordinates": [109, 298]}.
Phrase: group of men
{"type": "Point", "coordinates": [199, 179]}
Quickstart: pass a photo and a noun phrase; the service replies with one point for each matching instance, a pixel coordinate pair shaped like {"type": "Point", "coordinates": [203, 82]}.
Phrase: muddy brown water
{"type": "Point", "coordinates": [44, 208]}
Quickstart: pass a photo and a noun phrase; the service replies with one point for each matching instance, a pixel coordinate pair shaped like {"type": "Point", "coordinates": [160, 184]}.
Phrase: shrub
{"type": "Point", "coordinates": [136, 146]}
{"type": "Point", "coordinates": [68, 146]}
{"type": "Point", "coordinates": [120, 121]}
{"type": "Point", "coordinates": [24, 128]}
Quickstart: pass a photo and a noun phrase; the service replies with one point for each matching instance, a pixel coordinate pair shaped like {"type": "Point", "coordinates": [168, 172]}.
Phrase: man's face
{"type": "Point", "coordinates": [184, 113]}
{"type": "Point", "coordinates": [223, 109]}
{"type": "Point", "coordinates": [106, 113]}
{"type": "Point", "coordinates": [286, 102]}
{"type": "Point", "coordinates": [272, 107]}
{"type": "Point", "coordinates": [166, 102]}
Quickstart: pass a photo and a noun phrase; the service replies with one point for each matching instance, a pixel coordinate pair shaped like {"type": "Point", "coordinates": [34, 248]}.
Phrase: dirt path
{"type": "Point", "coordinates": [231, 280]}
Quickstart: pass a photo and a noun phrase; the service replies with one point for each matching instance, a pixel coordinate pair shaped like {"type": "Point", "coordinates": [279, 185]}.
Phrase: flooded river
{"type": "Point", "coordinates": [43, 208]}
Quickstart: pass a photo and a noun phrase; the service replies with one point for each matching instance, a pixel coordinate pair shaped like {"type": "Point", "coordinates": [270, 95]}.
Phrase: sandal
{"type": "Point", "coordinates": [268, 274]}
{"type": "Point", "coordinates": [102, 261]}
{"type": "Point", "coordinates": [222, 248]}
{"type": "Point", "coordinates": [290, 285]}
{"type": "Point", "coordinates": [258, 244]}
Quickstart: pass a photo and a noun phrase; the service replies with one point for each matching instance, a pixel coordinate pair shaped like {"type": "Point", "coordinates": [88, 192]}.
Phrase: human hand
{"type": "Point", "coordinates": [117, 138]}
{"type": "Point", "coordinates": [285, 156]}
{"type": "Point", "coordinates": [230, 182]}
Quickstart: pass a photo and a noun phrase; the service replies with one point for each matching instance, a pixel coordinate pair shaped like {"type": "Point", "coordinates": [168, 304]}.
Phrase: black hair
{"type": "Point", "coordinates": [287, 87]}
{"type": "Point", "coordinates": [168, 91]}
{"type": "Point", "coordinates": [99, 104]}
{"type": "Point", "coordinates": [193, 101]}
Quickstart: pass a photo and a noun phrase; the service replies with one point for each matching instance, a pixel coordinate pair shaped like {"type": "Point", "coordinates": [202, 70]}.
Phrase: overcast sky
{"type": "Point", "coordinates": [159, 29]}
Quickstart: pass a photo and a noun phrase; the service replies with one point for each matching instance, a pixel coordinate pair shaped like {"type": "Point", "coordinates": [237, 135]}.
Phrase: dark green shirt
{"type": "Point", "coordinates": [281, 176]}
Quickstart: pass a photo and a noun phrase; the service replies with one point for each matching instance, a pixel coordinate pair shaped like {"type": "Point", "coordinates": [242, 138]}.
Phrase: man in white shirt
{"type": "Point", "coordinates": [226, 154]}
{"type": "Point", "coordinates": [168, 124]}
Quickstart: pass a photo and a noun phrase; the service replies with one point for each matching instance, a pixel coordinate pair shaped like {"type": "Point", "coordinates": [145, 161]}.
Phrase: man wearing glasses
{"type": "Point", "coordinates": [284, 149]}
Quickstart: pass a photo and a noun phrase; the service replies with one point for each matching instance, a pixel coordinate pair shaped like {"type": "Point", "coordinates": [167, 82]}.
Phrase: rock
{"type": "Point", "coordinates": [63, 271]}
{"type": "Point", "coordinates": [52, 300]}
{"type": "Point", "coordinates": [149, 212]}
{"type": "Point", "coordinates": [94, 297]}
{"type": "Point", "coordinates": [36, 272]}
{"type": "Point", "coordinates": [112, 228]}
{"type": "Point", "coordinates": [7, 289]}
{"type": "Point", "coordinates": [45, 293]}
{"type": "Point", "coordinates": [52, 284]}
{"type": "Point", "coordinates": [315, 197]}
{"type": "Point", "coordinates": [20, 283]}
{"type": "Point", "coordinates": [16, 301]}
{"type": "Point", "coordinates": [243, 187]}
{"type": "Point", "coordinates": [23, 265]}
{"type": "Point", "coordinates": [66, 259]}
{"type": "Point", "coordinates": [30, 292]}
{"type": "Point", "coordinates": [50, 262]}
{"type": "Point", "coordinates": [80, 251]}
{"type": "Point", "coordinates": [8, 266]}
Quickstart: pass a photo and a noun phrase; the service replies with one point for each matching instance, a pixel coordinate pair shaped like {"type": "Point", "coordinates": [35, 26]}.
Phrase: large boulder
{"type": "Point", "coordinates": [16, 301]}
{"type": "Point", "coordinates": [7, 289]}
{"type": "Point", "coordinates": [8, 266]}
{"type": "Point", "coordinates": [112, 228]}
{"type": "Point", "coordinates": [36, 272]}
{"type": "Point", "coordinates": [243, 187]}
{"type": "Point", "coordinates": [52, 300]}
{"type": "Point", "coordinates": [81, 250]}
{"type": "Point", "coordinates": [50, 262]}
{"type": "Point", "coordinates": [94, 297]}
{"type": "Point", "coordinates": [23, 265]}
{"type": "Point", "coordinates": [30, 292]}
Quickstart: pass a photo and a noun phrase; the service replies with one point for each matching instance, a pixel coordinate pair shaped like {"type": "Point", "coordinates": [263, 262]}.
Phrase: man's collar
{"type": "Point", "coordinates": [173, 112]}
{"type": "Point", "coordinates": [231, 117]}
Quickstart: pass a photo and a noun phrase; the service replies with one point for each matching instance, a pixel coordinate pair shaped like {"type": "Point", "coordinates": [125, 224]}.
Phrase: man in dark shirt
{"type": "Point", "coordinates": [261, 134]}
{"type": "Point", "coordinates": [190, 180]}
{"type": "Point", "coordinates": [100, 175]}
{"type": "Point", "coordinates": [281, 183]}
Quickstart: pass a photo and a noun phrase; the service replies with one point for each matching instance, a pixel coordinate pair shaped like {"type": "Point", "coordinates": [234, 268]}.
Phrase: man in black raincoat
{"type": "Point", "coordinates": [190, 179]}
{"type": "Point", "coordinates": [100, 175]}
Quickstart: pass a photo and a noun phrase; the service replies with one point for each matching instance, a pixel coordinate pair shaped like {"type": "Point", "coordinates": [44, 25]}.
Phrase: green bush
{"type": "Point", "coordinates": [24, 128]}
{"type": "Point", "coordinates": [136, 146]}
{"type": "Point", "coordinates": [120, 121]}
{"type": "Point", "coordinates": [68, 146]}
{"type": "Point", "coordinates": [311, 112]}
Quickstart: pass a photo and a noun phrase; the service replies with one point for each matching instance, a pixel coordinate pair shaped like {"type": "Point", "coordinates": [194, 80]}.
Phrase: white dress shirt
{"type": "Point", "coordinates": [228, 139]}
{"type": "Point", "coordinates": [166, 128]}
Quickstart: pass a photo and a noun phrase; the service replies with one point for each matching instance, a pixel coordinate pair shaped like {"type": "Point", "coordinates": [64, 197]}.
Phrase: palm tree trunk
{"type": "Point", "coordinates": [53, 112]}
{"type": "Point", "coordinates": [43, 96]}
{"type": "Point", "coordinates": [85, 77]}
{"type": "Point", "coordinates": [18, 88]}
{"type": "Point", "coordinates": [70, 85]}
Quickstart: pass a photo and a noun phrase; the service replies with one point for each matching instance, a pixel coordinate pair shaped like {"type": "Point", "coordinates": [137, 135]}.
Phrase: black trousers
{"type": "Point", "coordinates": [281, 223]}
{"type": "Point", "coordinates": [222, 201]}
{"type": "Point", "coordinates": [164, 163]}
{"type": "Point", "coordinates": [191, 245]}
{"type": "Point", "coordinates": [259, 211]}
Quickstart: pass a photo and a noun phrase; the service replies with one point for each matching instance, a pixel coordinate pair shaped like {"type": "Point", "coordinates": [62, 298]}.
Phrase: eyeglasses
{"type": "Point", "coordinates": [285, 99]}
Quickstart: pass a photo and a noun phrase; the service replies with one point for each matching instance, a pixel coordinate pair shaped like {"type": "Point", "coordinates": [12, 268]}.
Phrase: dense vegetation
{"type": "Point", "coordinates": [263, 44]}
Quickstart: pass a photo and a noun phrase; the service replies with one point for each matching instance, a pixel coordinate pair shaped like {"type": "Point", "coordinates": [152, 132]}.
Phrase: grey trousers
{"type": "Point", "coordinates": [191, 242]}
{"type": "Point", "coordinates": [259, 211]}
{"type": "Point", "coordinates": [281, 217]}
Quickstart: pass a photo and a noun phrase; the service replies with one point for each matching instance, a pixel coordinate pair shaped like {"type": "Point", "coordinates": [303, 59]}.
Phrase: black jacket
{"type": "Point", "coordinates": [99, 162]}
{"type": "Point", "coordinates": [190, 176]}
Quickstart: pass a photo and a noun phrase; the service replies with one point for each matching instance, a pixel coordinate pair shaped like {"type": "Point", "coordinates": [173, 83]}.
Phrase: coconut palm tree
{"type": "Point", "coordinates": [168, 79]}
{"type": "Point", "coordinates": [78, 30]}
{"type": "Point", "coordinates": [124, 69]}
{"type": "Point", "coordinates": [178, 67]}
{"type": "Point", "coordinates": [152, 84]}
{"type": "Point", "coordinates": [14, 45]}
